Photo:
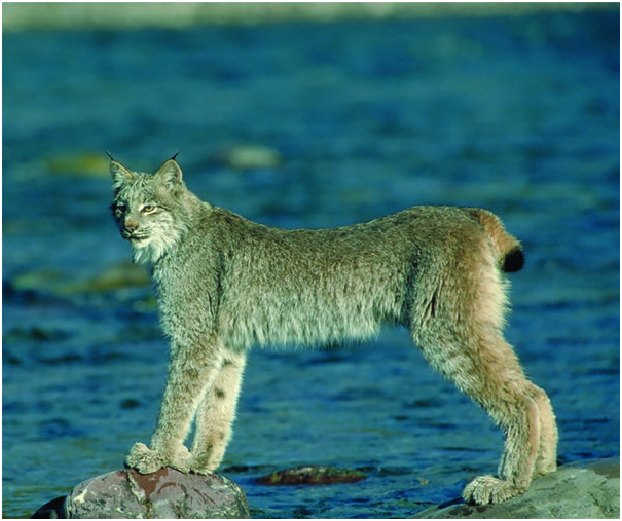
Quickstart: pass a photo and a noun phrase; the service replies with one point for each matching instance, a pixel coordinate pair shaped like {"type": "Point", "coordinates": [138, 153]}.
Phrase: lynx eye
{"type": "Point", "coordinates": [147, 209]}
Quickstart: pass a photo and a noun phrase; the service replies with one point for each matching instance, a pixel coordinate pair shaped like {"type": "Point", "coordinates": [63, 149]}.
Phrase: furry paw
{"type": "Point", "coordinates": [148, 461]}
{"type": "Point", "coordinates": [200, 469]}
{"type": "Point", "coordinates": [143, 459]}
{"type": "Point", "coordinates": [488, 490]}
{"type": "Point", "coordinates": [544, 468]}
{"type": "Point", "coordinates": [201, 464]}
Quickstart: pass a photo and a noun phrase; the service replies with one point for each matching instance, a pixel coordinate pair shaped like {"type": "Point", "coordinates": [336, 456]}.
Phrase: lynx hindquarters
{"type": "Point", "coordinates": [462, 338]}
{"type": "Point", "coordinates": [225, 283]}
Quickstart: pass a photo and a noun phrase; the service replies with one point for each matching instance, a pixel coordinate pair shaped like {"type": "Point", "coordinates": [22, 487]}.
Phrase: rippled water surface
{"type": "Point", "coordinates": [515, 114]}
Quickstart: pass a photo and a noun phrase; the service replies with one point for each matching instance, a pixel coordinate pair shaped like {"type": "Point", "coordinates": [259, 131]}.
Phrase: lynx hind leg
{"type": "Point", "coordinates": [519, 416]}
{"type": "Point", "coordinates": [539, 431]}
{"type": "Point", "coordinates": [459, 332]}
{"type": "Point", "coordinates": [487, 371]}
{"type": "Point", "coordinates": [215, 415]}
{"type": "Point", "coordinates": [546, 461]}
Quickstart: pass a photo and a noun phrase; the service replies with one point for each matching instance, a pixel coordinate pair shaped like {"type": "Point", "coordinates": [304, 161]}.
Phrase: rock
{"type": "Point", "coordinates": [582, 490]}
{"type": "Point", "coordinates": [312, 475]}
{"type": "Point", "coordinates": [250, 157]}
{"type": "Point", "coordinates": [84, 164]}
{"type": "Point", "coordinates": [165, 494]}
{"type": "Point", "coordinates": [51, 510]}
{"type": "Point", "coordinates": [118, 276]}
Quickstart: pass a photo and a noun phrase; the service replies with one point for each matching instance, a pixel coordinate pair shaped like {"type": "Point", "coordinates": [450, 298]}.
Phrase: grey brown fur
{"type": "Point", "coordinates": [225, 283]}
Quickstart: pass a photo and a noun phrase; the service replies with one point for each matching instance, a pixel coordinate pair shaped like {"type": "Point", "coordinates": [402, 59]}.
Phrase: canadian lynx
{"type": "Point", "coordinates": [225, 283]}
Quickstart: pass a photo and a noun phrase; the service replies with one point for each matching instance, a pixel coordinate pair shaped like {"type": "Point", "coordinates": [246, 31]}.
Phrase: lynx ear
{"type": "Point", "coordinates": [119, 174]}
{"type": "Point", "coordinates": [169, 173]}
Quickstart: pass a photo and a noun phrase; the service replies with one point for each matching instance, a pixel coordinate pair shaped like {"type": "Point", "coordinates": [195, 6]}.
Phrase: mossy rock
{"type": "Point", "coordinates": [116, 277]}
{"type": "Point", "coordinates": [85, 164]}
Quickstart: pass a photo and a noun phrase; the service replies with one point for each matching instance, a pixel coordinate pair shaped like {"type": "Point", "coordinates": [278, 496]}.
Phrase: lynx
{"type": "Point", "coordinates": [225, 283]}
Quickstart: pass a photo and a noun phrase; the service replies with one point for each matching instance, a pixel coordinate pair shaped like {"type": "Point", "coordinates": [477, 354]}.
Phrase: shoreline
{"type": "Point", "coordinates": [19, 17]}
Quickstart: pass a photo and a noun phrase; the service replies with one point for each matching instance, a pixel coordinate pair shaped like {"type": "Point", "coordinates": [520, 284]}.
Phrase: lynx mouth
{"type": "Point", "coordinates": [134, 238]}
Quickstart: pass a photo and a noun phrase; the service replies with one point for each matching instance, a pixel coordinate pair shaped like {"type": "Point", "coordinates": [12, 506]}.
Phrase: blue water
{"type": "Point", "coordinates": [519, 115]}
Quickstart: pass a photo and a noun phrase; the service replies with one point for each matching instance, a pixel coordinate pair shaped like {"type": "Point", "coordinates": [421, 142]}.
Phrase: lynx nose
{"type": "Point", "coordinates": [130, 226]}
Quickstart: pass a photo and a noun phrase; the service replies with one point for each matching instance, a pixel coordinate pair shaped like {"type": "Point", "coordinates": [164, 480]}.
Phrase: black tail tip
{"type": "Point", "coordinates": [514, 260]}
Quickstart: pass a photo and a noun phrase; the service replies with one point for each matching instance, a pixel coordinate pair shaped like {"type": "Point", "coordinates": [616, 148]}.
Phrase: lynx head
{"type": "Point", "coordinates": [149, 209]}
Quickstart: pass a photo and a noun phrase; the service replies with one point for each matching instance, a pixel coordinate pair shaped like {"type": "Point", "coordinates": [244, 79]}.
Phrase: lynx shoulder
{"type": "Point", "coordinates": [225, 283]}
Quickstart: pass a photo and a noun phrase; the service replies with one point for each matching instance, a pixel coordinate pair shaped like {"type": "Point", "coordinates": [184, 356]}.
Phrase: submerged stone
{"type": "Point", "coordinates": [312, 475]}
{"type": "Point", "coordinates": [119, 276]}
{"type": "Point", "coordinates": [250, 157]}
{"type": "Point", "coordinates": [85, 164]}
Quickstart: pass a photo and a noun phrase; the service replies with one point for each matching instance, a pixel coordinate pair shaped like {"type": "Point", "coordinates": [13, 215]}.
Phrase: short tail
{"type": "Point", "coordinates": [508, 249]}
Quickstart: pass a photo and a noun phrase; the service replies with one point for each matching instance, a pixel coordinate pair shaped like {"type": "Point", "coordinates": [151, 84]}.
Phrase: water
{"type": "Point", "coordinates": [515, 114]}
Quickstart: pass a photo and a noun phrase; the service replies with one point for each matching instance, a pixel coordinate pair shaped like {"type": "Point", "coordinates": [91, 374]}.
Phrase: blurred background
{"type": "Point", "coordinates": [304, 115]}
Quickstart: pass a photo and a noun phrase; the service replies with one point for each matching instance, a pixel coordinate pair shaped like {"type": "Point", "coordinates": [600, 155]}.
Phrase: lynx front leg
{"type": "Point", "coordinates": [191, 371]}
{"type": "Point", "coordinates": [215, 415]}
